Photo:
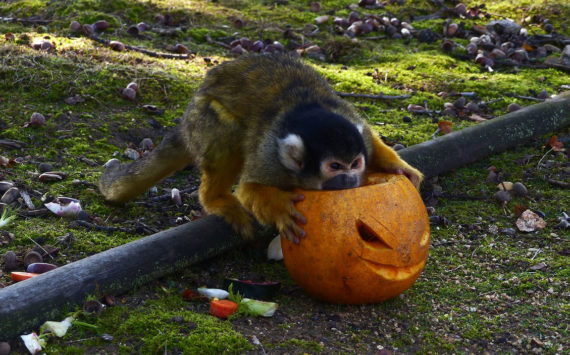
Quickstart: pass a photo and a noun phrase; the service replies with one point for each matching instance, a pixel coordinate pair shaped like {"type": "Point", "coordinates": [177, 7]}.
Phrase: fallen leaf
{"type": "Point", "coordinates": [556, 145]}
{"type": "Point", "coordinates": [445, 126]}
{"type": "Point", "coordinates": [519, 209]}
{"type": "Point", "coordinates": [475, 117]}
{"type": "Point", "coordinates": [539, 266]}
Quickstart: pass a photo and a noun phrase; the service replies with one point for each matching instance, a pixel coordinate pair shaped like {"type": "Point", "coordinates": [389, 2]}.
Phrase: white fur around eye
{"type": "Point", "coordinates": [291, 152]}
{"type": "Point", "coordinates": [360, 128]}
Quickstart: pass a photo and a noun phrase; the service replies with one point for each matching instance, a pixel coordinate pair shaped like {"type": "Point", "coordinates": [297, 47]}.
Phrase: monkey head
{"type": "Point", "coordinates": [324, 150]}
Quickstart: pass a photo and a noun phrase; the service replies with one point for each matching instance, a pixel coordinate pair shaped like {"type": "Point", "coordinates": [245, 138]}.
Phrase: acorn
{"type": "Point", "coordinates": [180, 48]}
{"type": "Point", "coordinates": [471, 49]}
{"type": "Point", "coordinates": [513, 107]}
{"type": "Point", "coordinates": [257, 46]}
{"type": "Point", "coordinates": [160, 19]}
{"type": "Point", "coordinates": [315, 6]}
{"type": "Point", "coordinates": [452, 29]}
{"type": "Point", "coordinates": [245, 42]}
{"type": "Point", "coordinates": [100, 25]}
{"type": "Point", "coordinates": [10, 37]}
{"type": "Point", "coordinates": [10, 261]}
{"type": "Point", "coordinates": [460, 103]}
{"type": "Point", "coordinates": [129, 93]}
{"type": "Point", "coordinates": [133, 31]}
{"type": "Point", "coordinates": [353, 17]}
{"type": "Point", "coordinates": [238, 23]}
{"type": "Point", "coordinates": [117, 46]}
{"type": "Point", "coordinates": [238, 50]}
{"type": "Point", "coordinates": [520, 55]}
{"type": "Point", "coordinates": [447, 45]}
{"type": "Point", "coordinates": [472, 107]}
{"type": "Point", "coordinates": [75, 26]}
{"type": "Point", "coordinates": [37, 120]}
{"type": "Point", "coordinates": [142, 26]}
{"type": "Point", "coordinates": [87, 29]}
{"type": "Point", "coordinates": [33, 257]}
{"type": "Point", "coordinates": [341, 21]}
{"type": "Point", "coordinates": [543, 95]}
{"type": "Point", "coordinates": [460, 9]}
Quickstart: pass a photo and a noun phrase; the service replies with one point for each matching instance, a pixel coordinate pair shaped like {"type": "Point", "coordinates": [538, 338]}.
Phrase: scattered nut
{"type": "Point", "coordinates": [10, 261]}
{"type": "Point", "coordinates": [33, 257]}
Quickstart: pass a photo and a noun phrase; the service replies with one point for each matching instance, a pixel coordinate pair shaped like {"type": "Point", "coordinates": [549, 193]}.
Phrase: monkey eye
{"type": "Point", "coordinates": [356, 164]}
{"type": "Point", "coordinates": [335, 166]}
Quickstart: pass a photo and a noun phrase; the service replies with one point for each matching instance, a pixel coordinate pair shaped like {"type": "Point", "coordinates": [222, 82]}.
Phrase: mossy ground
{"type": "Point", "coordinates": [478, 291]}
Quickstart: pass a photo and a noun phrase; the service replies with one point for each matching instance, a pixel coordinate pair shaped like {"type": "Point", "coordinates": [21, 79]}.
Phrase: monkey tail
{"type": "Point", "coordinates": [122, 182]}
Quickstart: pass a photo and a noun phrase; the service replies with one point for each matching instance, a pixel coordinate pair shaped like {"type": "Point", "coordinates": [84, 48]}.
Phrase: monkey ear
{"type": "Point", "coordinates": [291, 152]}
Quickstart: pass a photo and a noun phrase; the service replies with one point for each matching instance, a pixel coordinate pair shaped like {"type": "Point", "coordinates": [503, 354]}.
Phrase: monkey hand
{"type": "Point", "coordinates": [413, 174]}
{"type": "Point", "coordinates": [271, 205]}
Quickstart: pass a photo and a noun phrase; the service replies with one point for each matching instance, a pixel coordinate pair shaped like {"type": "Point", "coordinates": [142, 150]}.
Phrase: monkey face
{"type": "Point", "coordinates": [338, 174]}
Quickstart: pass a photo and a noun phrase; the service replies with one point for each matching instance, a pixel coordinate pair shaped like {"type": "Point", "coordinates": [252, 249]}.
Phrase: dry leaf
{"type": "Point", "coordinates": [475, 117]}
{"type": "Point", "coordinates": [519, 209]}
{"type": "Point", "coordinates": [556, 145]}
{"type": "Point", "coordinates": [445, 126]}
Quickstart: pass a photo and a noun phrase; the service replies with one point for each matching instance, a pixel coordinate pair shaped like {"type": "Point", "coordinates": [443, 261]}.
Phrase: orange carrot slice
{"type": "Point", "coordinates": [222, 308]}
{"type": "Point", "coordinates": [20, 275]}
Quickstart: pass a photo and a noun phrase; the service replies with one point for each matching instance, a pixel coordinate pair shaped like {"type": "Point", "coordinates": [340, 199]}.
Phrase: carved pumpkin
{"type": "Point", "coordinates": [363, 245]}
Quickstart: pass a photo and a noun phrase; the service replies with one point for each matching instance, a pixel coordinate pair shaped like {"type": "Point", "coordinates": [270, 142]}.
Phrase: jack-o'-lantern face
{"type": "Point", "coordinates": [363, 245]}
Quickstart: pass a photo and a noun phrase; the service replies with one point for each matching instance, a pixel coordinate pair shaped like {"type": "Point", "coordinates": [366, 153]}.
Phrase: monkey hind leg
{"type": "Point", "coordinates": [121, 183]}
{"type": "Point", "coordinates": [216, 196]}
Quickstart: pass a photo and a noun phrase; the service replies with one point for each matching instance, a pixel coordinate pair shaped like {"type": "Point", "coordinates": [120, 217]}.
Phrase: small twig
{"type": "Point", "coordinates": [563, 184]}
{"type": "Point", "coordinates": [221, 44]}
{"type": "Point", "coordinates": [374, 37]}
{"type": "Point", "coordinates": [167, 197]}
{"type": "Point", "coordinates": [541, 159]}
{"type": "Point", "coordinates": [26, 21]}
{"type": "Point", "coordinates": [144, 51]}
{"type": "Point", "coordinates": [464, 197]}
{"type": "Point", "coordinates": [101, 228]}
{"type": "Point", "coordinates": [526, 98]}
{"type": "Point", "coordinates": [39, 246]}
{"type": "Point", "coordinates": [368, 96]}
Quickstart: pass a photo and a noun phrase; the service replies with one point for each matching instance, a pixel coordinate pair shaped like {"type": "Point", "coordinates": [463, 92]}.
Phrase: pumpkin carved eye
{"type": "Point", "coordinates": [370, 236]}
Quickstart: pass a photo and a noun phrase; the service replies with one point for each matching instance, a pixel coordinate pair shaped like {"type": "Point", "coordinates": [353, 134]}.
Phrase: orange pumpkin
{"type": "Point", "coordinates": [362, 245]}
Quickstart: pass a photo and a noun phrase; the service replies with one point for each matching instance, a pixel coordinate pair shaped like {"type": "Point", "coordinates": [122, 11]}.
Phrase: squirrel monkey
{"type": "Point", "coordinates": [276, 124]}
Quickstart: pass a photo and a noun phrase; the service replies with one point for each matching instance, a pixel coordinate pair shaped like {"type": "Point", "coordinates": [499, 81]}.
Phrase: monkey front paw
{"type": "Point", "coordinates": [271, 205]}
{"type": "Point", "coordinates": [414, 175]}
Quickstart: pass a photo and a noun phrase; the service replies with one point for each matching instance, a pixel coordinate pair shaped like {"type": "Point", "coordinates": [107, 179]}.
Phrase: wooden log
{"type": "Point", "coordinates": [468, 145]}
{"type": "Point", "coordinates": [24, 306]}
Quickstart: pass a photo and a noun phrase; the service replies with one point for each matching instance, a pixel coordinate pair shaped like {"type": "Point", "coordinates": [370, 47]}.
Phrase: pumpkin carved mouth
{"type": "Point", "coordinates": [370, 231]}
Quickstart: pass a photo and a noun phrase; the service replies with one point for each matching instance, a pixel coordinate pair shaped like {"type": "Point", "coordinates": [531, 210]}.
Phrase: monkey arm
{"type": "Point", "coordinates": [385, 159]}
{"type": "Point", "coordinates": [271, 205]}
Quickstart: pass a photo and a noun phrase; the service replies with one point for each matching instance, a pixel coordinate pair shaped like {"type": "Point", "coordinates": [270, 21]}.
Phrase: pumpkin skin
{"type": "Point", "coordinates": [362, 245]}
